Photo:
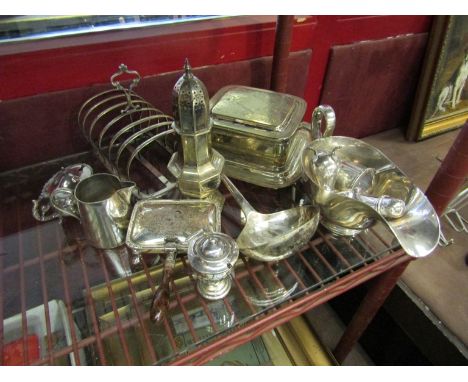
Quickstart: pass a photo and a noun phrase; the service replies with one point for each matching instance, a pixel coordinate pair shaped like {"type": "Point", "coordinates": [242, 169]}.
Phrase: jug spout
{"type": "Point", "coordinates": [118, 206]}
{"type": "Point", "coordinates": [325, 166]}
{"type": "Point", "coordinates": [126, 191]}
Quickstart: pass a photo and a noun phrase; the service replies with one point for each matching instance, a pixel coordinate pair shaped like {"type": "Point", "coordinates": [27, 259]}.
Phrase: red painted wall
{"type": "Point", "coordinates": [220, 41]}
{"type": "Point", "coordinates": [49, 66]}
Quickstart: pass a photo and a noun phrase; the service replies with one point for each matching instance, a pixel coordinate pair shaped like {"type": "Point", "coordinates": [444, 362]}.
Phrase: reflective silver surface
{"type": "Point", "coordinates": [196, 166]}
{"type": "Point", "coordinates": [273, 176]}
{"type": "Point", "coordinates": [166, 227]}
{"type": "Point", "coordinates": [67, 177]}
{"type": "Point", "coordinates": [325, 165]}
{"type": "Point", "coordinates": [120, 125]}
{"type": "Point", "coordinates": [103, 205]}
{"type": "Point", "coordinates": [323, 121]}
{"type": "Point", "coordinates": [256, 112]}
{"type": "Point", "coordinates": [212, 257]}
{"type": "Point", "coordinates": [353, 177]}
{"type": "Point", "coordinates": [417, 230]}
{"type": "Point", "coordinates": [154, 223]}
{"type": "Point", "coordinates": [386, 206]}
{"type": "Point", "coordinates": [272, 237]}
{"type": "Point", "coordinates": [260, 134]}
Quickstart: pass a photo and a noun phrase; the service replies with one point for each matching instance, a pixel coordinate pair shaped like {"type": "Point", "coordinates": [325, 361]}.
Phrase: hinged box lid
{"type": "Point", "coordinates": [257, 112]}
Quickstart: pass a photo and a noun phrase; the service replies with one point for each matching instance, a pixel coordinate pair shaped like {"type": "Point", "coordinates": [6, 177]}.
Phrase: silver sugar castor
{"type": "Point", "coordinates": [196, 165]}
{"type": "Point", "coordinates": [212, 257]}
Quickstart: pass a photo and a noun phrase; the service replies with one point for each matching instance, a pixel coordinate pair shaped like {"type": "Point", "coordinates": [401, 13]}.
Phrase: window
{"type": "Point", "coordinates": [21, 28]}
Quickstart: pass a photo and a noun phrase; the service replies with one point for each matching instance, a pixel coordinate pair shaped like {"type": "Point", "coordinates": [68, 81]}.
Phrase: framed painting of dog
{"type": "Point", "coordinates": [441, 101]}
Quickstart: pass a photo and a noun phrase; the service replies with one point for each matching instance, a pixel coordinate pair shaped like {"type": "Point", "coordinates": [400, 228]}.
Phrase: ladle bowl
{"type": "Point", "coordinates": [272, 237]}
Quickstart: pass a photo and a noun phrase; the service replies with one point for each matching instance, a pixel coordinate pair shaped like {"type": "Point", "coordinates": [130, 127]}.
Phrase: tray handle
{"type": "Point", "coordinates": [160, 302]}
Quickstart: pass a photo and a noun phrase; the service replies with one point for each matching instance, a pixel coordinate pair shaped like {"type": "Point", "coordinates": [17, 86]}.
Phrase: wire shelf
{"type": "Point", "coordinates": [87, 307]}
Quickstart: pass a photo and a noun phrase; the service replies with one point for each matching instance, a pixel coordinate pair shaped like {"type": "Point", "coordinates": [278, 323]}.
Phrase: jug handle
{"type": "Point", "coordinates": [323, 115]}
{"type": "Point", "coordinates": [68, 212]}
{"type": "Point", "coordinates": [46, 215]}
{"type": "Point", "coordinates": [160, 303]}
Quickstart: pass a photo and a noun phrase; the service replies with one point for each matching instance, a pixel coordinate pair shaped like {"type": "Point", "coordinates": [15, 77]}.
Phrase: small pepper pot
{"type": "Point", "coordinates": [212, 257]}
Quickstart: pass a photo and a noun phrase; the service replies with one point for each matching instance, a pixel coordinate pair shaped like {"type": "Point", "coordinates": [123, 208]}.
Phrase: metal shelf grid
{"type": "Point", "coordinates": [106, 305]}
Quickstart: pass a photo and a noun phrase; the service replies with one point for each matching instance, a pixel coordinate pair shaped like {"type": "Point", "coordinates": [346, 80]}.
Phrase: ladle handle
{"type": "Point", "coordinates": [245, 206]}
{"type": "Point", "coordinates": [160, 303]}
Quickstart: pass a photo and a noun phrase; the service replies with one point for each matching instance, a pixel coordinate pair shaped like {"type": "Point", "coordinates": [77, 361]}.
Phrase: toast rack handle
{"type": "Point", "coordinates": [323, 122]}
{"type": "Point", "coordinates": [128, 92]}
{"type": "Point", "coordinates": [124, 69]}
{"type": "Point", "coordinates": [160, 303]}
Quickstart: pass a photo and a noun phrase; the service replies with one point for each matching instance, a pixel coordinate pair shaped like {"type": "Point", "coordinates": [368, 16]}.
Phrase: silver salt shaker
{"type": "Point", "coordinates": [212, 257]}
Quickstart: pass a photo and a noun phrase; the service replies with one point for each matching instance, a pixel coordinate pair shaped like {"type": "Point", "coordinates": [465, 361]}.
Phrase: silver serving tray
{"type": "Point", "coordinates": [155, 224]}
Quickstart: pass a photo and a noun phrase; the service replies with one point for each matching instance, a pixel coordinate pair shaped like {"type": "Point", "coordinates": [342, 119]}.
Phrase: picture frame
{"type": "Point", "coordinates": [441, 101]}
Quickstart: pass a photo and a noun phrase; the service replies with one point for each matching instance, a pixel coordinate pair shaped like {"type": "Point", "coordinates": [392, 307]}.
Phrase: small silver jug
{"type": "Point", "coordinates": [67, 177]}
{"type": "Point", "coordinates": [103, 205]}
